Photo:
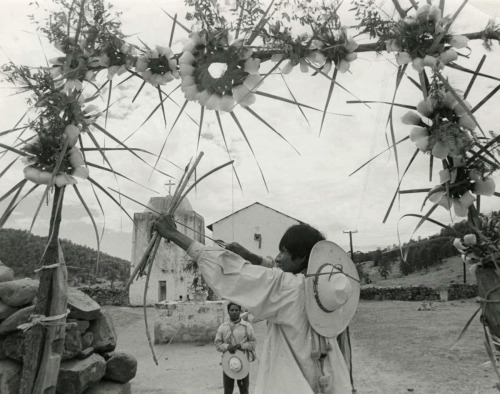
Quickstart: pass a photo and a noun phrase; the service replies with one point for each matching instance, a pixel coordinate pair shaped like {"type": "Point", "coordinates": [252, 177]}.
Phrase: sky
{"type": "Point", "coordinates": [313, 185]}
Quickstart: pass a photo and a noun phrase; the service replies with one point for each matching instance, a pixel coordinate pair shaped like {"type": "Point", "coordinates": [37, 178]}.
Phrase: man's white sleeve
{"type": "Point", "coordinates": [264, 291]}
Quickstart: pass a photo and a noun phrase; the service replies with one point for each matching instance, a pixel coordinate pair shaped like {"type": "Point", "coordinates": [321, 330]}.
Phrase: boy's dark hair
{"type": "Point", "coordinates": [299, 239]}
{"type": "Point", "coordinates": [231, 304]}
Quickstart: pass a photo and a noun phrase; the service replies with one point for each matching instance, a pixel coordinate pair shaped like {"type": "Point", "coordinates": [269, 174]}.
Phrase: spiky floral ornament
{"type": "Point", "coordinates": [43, 152]}
{"type": "Point", "coordinates": [337, 49]}
{"type": "Point", "coordinates": [217, 74]}
{"type": "Point", "coordinates": [116, 56]}
{"type": "Point", "coordinates": [443, 128]}
{"type": "Point", "coordinates": [443, 125]}
{"type": "Point", "coordinates": [423, 40]}
{"type": "Point", "coordinates": [158, 66]}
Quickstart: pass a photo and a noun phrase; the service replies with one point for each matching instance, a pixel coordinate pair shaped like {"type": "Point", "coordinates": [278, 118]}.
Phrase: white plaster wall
{"type": "Point", "coordinates": [170, 259]}
{"type": "Point", "coordinates": [241, 227]}
{"type": "Point", "coordinates": [187, 321]}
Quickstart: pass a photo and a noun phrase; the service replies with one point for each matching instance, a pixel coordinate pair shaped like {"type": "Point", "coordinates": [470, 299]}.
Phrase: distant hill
{"type": "Point", "coordinates": [22, 251]}
{"type": "Point", "coordinates": [448, 272]}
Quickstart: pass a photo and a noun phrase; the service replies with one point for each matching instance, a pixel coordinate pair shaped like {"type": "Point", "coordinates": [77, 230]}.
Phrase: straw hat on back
{"type": "Point", "coordinates": [332, 289]}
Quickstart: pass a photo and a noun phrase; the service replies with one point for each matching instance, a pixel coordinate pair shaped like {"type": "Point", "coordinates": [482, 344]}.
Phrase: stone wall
{"type": "Point", "coordinates": [107, 295]}
{"type": "Point", "coordinates": [188, 321]}
{"type": "Point", "coordinates": [419, 293]}
{"type": "Point", "coordinates": [457, 291]}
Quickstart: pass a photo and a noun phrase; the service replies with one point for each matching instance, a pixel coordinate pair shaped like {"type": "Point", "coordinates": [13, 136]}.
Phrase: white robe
{"type": "Point", "coordinates": [286, 366]}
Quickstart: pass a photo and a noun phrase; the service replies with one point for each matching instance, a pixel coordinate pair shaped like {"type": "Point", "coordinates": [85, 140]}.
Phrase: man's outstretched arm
{"type": "Point", "coordinates": [235, 247]}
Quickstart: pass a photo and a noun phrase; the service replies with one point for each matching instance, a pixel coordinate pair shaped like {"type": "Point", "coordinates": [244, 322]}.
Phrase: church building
{"type": "Point", "coordinates": [169, 280]}
{"type": "Point", "coordinates": [257, 227]}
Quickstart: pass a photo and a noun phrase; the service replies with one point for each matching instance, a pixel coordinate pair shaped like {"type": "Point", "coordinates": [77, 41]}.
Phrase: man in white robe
{"type": "Point", "coordinates": [289, 363]}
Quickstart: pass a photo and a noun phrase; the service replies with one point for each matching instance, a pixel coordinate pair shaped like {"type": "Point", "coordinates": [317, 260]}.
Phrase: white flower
{"type": "Point", "coordinates": [461, 206]}
{"type": "Point", "coordinates": [448, 56]}
{"type": "Point", "coordinates": [343, 66]}
{"type": "Point", "coordinates": [252, 66]}
{"type": "Point", "coordinates": [81, 172]}
{"type": "Point", "coordinates": [227, 103]}
{"type": "Point", "coordinates": [403, 58]}
{"type": "Point", "coordinates": [420, 136]}
{"type": "Point", "coordinates": [434, 13]}
{"type": "Point", "coordinates": [470, 239]}
{"type": "Point", "coordinates": [459, 42]}
{"type": "Point", "coordinates": [37, 176]}
{"type": "Point", "coordinates": [71, 133]}
{"type": "Point", "coordinates": [440, 150]}
{"type": "Point", "coordinates": [461, 110]}
{"type": "Point", "coordinates": [457, 243]}
{"type": "Point", "coordinates": [203, 97]}
{"type": "Point", "coordinates": [418, 64]}
{"type": "Point", "coordinates": [287, 68]}
{"type": "Point", "coordinates": [350, 45]}
{"type": "Point", "coordinates": [423, 12]}
{"type": "Point", "coordinates": [76, 157]}
{"type": "Point", "coordinates": [146, 68]}
{"type": "Point", "coordinates": [243, 96]}
{"type": "Point", "coordinates": [485, 187]}
{"type": "Point", "coordinates": [64, 180]}
{"type": "Point", "coordinates": [425, 107]}
{"type": "Point", "coordinates": [213, 102]}
{"type": "Point", "coordinates": [411, 118]}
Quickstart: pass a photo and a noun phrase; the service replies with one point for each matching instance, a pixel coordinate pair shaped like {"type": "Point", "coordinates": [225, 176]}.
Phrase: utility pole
{"type": "Point", "coordinates": [348, 348]}
{"type": "Point", "coordinates": [350, 240]}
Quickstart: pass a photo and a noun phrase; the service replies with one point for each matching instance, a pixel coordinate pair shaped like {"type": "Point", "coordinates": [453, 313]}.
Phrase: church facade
{"type": "Point", "coordinates": [169, 280]}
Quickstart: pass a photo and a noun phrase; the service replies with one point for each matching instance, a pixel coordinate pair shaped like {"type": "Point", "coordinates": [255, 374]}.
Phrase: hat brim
{"type": "Point", "coordinates": [333, 323]}
{"type": "Point", "coordinates": [245, 365]}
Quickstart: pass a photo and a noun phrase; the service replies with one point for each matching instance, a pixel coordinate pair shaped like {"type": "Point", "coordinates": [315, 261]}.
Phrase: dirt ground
{"type": "Point", "coordinates": [396, 349]}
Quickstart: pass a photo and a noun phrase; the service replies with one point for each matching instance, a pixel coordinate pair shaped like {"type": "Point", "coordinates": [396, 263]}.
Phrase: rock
{"type": "Point", "coordinates": [104, 333]}
{"type": "Point", "coordinates": [20, 317]}
{"type": "Point", "coordinates": [81, 306]}
{"type": "Point", "coordinates": [72, 342]}
{"type": "Point", "coordinates": [76, 376]}
{"type": "Point", "coordinates": [87, 340]}
{"type": "Point", "coordinates": [121, 367]}
{"type": "Point", "coordinates": [85, 353]}
{"type": "Point", "coordinates": [18, 292]}
{"type": "Point", "coordinates": [5, 310]}
{"type": "Point", "coordinates": [107, 387]}
{"type": "Point", "coordinates": [83, 325]}
{"type": "Point", "coordinates": [107, 355]}
{"type": "Point", "coordinates": [6, 274]}
{"type": "Point", "coordinates": [13, 345]}
{"type": "Point", "coordinates": [3, 356]}
{"type": "Point", "coordinates": [10, 376]}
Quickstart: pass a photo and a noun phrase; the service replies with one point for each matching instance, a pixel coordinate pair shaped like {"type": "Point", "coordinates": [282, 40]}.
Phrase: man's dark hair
{"type": "Point", "coordinates": [299, 239]}
{"type": "Point", "coordinates": [231, 304]}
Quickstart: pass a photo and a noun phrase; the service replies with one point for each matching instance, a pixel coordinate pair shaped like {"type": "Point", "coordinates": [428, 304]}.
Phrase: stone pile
{"type": "Point", "coordinates": [89, 364]}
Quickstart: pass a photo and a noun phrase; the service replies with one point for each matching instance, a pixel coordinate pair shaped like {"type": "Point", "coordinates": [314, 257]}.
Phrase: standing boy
{"type": "Point", "coordinates": [236, 334]}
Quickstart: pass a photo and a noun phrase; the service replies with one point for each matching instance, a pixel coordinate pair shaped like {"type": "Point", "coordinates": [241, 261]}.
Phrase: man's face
{"type": "Point", "coordinates": [234, 313]}
{"type": "Point", "coordinates": [285, 262]}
